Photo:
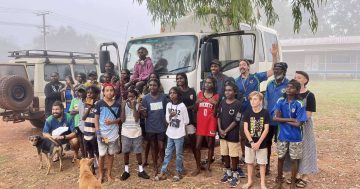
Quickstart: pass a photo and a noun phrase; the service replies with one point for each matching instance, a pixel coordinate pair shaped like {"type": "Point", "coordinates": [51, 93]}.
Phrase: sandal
{"type": "Point", "coordinates": [300, 183]}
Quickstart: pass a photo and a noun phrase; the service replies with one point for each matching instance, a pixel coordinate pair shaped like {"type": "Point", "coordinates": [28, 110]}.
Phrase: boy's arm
{"type": "Point", "coordinates": [262, 137]}
{"type": "Point", "coordinates": [167, 114]}
{"type": "Point", "coordinates": [122, 116]}
{"type": "Point", "coordinates": [247, 133]}
{"type": "Point", "coordinates": [86, 112]}
{"type": "Point", "coordinates": [231, 127]}
{"type": "Point", "coordinates": [136, 113]}
{"type": "Point", "coordinates": [278, 118]}
{"type": "Point", "coordinates": [185, 114]}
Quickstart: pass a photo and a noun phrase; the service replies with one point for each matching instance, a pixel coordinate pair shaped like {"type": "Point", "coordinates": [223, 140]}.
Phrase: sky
{"type": "Point", "coordinates": [106, 20]}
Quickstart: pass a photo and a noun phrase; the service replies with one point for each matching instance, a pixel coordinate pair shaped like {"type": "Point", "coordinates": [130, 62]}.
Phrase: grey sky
{"type": "Point", "coordinates": [106, 20]}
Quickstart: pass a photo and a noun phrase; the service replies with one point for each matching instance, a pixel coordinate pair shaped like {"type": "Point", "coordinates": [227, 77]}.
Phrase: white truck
{"type": "Point", "coordinates": [191, 45]}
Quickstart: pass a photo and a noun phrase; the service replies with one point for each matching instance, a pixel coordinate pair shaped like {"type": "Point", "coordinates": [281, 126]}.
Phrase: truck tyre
{"type": "Point", "coordinates": [16, 93]}
{"type": "Point", "coordinates": [38, 123]}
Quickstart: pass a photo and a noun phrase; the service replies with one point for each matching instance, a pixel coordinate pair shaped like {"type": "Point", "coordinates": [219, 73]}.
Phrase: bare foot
{"type": "Point", "coordinates": [100, 178]}
{"type": "Point", "coordinates": [208, 173]}
{"type": "Point", "coordinates": [110, 178]}
{"type": "Point", "coordinates": [195, 172]}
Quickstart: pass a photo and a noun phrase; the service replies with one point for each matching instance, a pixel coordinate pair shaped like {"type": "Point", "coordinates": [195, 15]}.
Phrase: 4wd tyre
{"type": "Point", "coordinates": [16, 93]}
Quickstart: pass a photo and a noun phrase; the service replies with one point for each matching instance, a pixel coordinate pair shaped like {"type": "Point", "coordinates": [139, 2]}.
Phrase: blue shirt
{"type": "Point", "coordinates": [52, 123]}
{"type": "Point", "coordinates": [103, 110]}
{"type": "Point", "coordinates": [294, 109]}
{"type": "Point", "coordinates": [248, 85]}
{"type": "Point", "coordinates": [273, 92]}
{"type": "Point", "coordinates": [155, 109]}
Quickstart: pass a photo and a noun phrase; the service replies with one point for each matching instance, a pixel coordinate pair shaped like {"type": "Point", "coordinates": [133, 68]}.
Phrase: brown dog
{"type": "Point", "coordinates": [86, 179]}
{"type": "Point", "coordinates": [49, 148]}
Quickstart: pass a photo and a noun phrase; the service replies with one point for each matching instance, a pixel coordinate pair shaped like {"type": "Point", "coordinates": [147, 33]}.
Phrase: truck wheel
{"type": "Point", "coordinates": [16, 93]}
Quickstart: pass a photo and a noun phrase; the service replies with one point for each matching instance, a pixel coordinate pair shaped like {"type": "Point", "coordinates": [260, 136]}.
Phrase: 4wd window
{"type": "Point", "coordinates": [31, 71]}
{"type": "Point", "coordinates": [269, 40]}
{"type": "Point", "coordinates": [62, 69]}
{"type": "Point", "coordinates": [18, 70]}
{"type": "Point", "coordinates": [83, 68]}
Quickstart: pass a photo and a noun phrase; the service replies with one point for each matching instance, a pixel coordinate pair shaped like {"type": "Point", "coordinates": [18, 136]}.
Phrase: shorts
{"type": "Point", "coordinates": [190, 129]}
{"type": "Point", "coordinates": [110, 148]}
{"type": "Point", "coordinates": [260, 156]}
{"type": "Point", "coordinates": [133, 145]}
{"type": "Point", "coordinates": [91, 147]}
{"type": "Point", "coordinates": [228, 148]}
{"type": "Point", "coordinates": [155, 136]}
{"type": "Point", "coordinates": [271, 134]}
{"type": "Point", "coordinates": [295, 149]}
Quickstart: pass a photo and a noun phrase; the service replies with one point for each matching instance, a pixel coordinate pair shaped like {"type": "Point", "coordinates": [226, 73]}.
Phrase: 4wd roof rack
{"type": "Point", "coordinates": [51, 54]}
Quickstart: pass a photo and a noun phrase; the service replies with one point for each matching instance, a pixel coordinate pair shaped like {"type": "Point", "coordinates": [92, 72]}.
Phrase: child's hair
{"type": "Point", "coordinates": [143, 48]}
{"type": "Point", "coordinates": [156, 81]}
{"type": "Point", "coordinates": [70, 78]}
{"type": "Point", "coordinates": [213, 80]}
{"type": "Point", "coordinates": [127, 71]}
{"type": "Point", "coordinates": [111, 64]}
{"type": "Point", "coordinates": [82, 76]}
{"type": "Point", "coordinates": [94, 89]}
{"type": "Point", "coordinates": [184, 76]}
{"type": "Point", "coordinates": [305, 75]}
{"type": "Point", "coordinates": [297, 86]}
{"type": "Point", "coordinates": [233, 86]}
{"type": "Point", "coordinates": [256, 93]}
{"type": "Point", "coordinates": [133, 91]}
{"type": "Point", "coordinates": [177, 91]}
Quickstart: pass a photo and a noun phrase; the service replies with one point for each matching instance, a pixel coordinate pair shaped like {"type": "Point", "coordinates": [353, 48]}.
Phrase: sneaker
{"type": "Point", "coordinates": [177, 177]}
{"type": "Point", "coordinates": [143, 175]}
{"type": "Point", "coordinates": [234, 182]}
{"type": "Point", "coordinates": [226, 178]}
{"type": "Point", "coordinates": [241, 173]}
{"type": "Point", "coordinates": [161, 176]}
{"type": "Point", "coordinates": [125, 176]}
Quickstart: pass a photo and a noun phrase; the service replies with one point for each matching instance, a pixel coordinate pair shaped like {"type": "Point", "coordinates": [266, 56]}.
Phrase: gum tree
{"type": "Point", "coordinates": [231, 12]}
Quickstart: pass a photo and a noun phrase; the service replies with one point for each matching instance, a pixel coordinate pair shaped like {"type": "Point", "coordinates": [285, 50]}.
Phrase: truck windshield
{"type": "Point", "coordinates": [169, 54]}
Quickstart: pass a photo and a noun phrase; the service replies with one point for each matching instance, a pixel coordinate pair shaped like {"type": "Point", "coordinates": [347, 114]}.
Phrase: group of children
{"type": "Point", "coordinates": [104, 122]}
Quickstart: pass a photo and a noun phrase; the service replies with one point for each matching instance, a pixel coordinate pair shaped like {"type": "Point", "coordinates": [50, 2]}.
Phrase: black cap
{"type": "Point", "coordinates": [215, 61]}
{"type": "Point", "coordinates": [282, 65]}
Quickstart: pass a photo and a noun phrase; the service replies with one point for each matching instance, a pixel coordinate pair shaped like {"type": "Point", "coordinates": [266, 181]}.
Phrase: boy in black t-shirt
{"type": "Point", "coordinates": [256, 127]}
{"type": "Point", "coordinates": [228, 125]}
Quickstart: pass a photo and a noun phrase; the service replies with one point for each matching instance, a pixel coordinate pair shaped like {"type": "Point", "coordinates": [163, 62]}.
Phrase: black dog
{"type": "Point", "coordinates": [49, 148]}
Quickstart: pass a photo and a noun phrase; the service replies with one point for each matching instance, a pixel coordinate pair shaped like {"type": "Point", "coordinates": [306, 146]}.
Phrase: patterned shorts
{"type": "Point", "coordinates": [295, 149]}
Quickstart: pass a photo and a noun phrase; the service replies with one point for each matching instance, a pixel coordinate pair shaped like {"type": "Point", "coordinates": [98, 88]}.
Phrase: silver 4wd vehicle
{"type": "Point", "coordinates": [22, 81]}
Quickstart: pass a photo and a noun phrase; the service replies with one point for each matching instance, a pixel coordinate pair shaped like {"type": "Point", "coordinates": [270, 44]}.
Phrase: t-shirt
{"type": "Point", "coordinates": [273, 92]}
{"type": "Point", "coordinates": [189, 99]}
{"type": "Point", "coordinates": [256, 125]}
{"type": "Point", "coordinates": [89, 124]}
{"type": "Point", "coordinates": [229, 113]}
{"type": "Point", "coordinates": [309, 101]}
{"type": "Point", "coordinates": [155, 109]}
{"type": "Point", "coordinates": [52, 123]}
{"type": "Point", "coordinates": [130, 128]}
{"type": "Point", "coordinates": [74, 106]}
{"type": "Point", "coordinates": [248, 85]}
{"type": "Point", "coordinates": [176, 128]}
{"type": "Point", "coordinates": [102, 109]}
{"type": "Point", "coordinates": [294, 109]}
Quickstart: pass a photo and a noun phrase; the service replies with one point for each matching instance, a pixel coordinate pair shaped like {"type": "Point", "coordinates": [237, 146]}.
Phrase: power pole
{"type": "Point", "coordinates": [44, 26]}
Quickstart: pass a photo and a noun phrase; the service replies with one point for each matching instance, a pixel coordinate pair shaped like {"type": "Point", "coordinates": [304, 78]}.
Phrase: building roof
{"type": "Point", "coordinates": [321, 41]}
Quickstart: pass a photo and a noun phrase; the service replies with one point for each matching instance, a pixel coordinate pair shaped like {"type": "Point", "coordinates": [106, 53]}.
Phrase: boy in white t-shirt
{"type": "Point", "coordinates": [131, 134]}
{"type": "Point", "coordinates": [177, 117]}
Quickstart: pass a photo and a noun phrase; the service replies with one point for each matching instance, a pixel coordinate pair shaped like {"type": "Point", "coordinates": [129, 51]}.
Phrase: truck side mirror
{"type": "Point", "coordinates": [104, 57]}
{"type": "Point", "coordinates": [206, 56]}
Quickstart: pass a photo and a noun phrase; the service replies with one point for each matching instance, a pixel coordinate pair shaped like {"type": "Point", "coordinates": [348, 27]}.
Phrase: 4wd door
{"type": "Point", "coordinates": [229, 48]}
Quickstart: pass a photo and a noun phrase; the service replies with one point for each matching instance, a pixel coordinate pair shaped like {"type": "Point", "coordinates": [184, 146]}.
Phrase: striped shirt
{"type": "Point", "coordinates": [89, 125]}
{"type": "Point", "coordinates": [131, 128]}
